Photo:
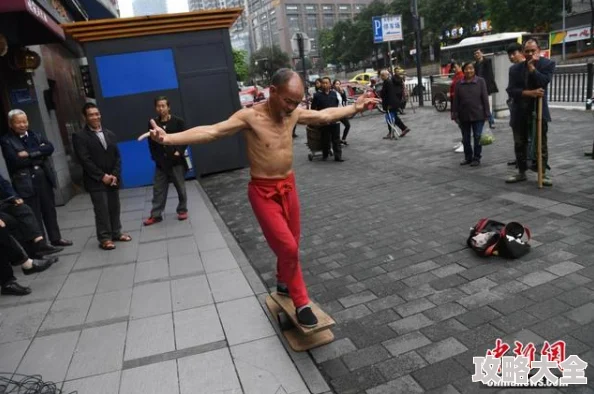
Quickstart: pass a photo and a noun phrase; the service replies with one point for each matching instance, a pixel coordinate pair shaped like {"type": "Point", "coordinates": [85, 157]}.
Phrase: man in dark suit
{"type": "Point", "coordinates": [26, 154]}
{"type": "Point", "coordinates": [330, 133]}
{"type": "Point", "coordinates": [99, 156]}
{"type": "Point", "coordinates": [170, 165]}
{"type": "Point", "coordinates": [528, 81]}
{"type": "Point", "coordinates": [484, 69]}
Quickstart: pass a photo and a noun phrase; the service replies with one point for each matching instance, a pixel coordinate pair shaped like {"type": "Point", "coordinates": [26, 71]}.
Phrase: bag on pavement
{"type": "Point", "coordinates": [492, 238]}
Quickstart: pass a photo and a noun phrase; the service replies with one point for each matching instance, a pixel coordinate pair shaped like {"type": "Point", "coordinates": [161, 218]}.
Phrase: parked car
{"type": "Point", "coordinates": [246, 99]}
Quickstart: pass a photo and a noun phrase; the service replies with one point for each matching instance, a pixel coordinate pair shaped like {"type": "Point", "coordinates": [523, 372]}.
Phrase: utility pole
{"type": "Point", "coordinates": [301, 47]}
{"type": "Point", "coordinates": [417, 22]}
{"type": "Point", "coordinates": [564, 32]}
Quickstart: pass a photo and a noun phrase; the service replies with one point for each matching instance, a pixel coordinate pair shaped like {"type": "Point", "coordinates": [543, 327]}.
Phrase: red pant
{"type": "Point", "coordinates": [276, 206]}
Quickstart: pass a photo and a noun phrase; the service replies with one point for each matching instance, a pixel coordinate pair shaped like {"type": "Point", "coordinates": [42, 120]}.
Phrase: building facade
{"type": "Point", "coordinates": [40, 74]}
{"type": "Point", "coordinates": [577, 30]}
{"type": "Point", "coordinates": [275, 22]}
{"type": "Point", "coordinates": [239, 32]}
{"type": "Point", "coordinates": [149, 7]}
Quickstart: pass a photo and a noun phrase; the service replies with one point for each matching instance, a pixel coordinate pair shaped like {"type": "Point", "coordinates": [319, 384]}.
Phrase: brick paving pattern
{"type": "Point", "coordinates": [383, 251]}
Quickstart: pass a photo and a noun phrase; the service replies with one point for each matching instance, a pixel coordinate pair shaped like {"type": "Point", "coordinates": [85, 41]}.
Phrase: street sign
{"type": "Point", "coordinates": [295, 43]}
{"type": "Point", "coordinates": [387, 28]}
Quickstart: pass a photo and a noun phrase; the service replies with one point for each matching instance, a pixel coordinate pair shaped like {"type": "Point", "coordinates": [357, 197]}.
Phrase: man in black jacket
{"type": "Point", "coordinates": [323, 99]}
{"type": "Point", "coordinates": [484, 69]}
{"type": "Point", "coordinates": [392, 94]}
{"type": "Point", "coordinates": [26, 154]}
{"type": "Point", "coordinates": [528, 81]}
{"type": "Point", "coordinates": [99, 156]}
{"type": "Point", "coordinates": [170, 164]}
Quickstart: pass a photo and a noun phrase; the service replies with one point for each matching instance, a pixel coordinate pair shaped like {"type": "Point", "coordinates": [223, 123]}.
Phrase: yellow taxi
{"type": "Point", "coordinates": [363, 78]}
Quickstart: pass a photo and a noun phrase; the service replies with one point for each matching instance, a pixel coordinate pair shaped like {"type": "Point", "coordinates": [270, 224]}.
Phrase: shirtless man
{"type": "Point", "coordinates": [271, 191]}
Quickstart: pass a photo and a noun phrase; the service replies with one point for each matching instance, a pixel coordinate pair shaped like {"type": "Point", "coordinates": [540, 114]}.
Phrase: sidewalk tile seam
{"type": "Point", "coordinates": [81, 327]}
{"type": "Point", "coordinates": [174, 355]}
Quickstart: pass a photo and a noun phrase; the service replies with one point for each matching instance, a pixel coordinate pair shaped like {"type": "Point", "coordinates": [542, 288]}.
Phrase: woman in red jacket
{"type": "Point", "coordinates": [456, 68]}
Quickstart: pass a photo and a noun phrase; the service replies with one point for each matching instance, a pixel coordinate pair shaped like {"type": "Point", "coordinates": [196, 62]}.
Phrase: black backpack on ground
{"type": "Point", "coordinates": [492, 238]}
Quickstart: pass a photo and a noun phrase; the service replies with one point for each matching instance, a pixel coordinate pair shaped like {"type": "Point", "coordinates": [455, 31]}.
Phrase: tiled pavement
{"type": "Point", "coordinates": [178, 310]}
{"type": "Point", "coordinates": [383, 251]}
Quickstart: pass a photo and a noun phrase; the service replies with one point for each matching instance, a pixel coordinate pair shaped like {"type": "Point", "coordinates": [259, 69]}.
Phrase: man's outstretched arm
{"type": "Point", "coordinates": [199, 134]}
{"type": "Point", "coordinates": [334, 114]}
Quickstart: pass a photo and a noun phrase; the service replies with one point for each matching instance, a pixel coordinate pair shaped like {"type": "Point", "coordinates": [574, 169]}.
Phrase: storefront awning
{"type": "Point", "coordinates": [107, 29]}
{"type": "Point", "coordinates": [26, 22]}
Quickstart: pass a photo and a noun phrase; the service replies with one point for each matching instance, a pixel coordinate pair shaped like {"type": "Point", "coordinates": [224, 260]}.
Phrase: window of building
{"type": "Point", "coordinates": [359, 7]}
{"type": "Point", "coordinates": [344, 16]}
{"type": "Point", "coordinates": [344, 8]}
{"type": "Point", "coordinates": [328, 21]}
{"type": "Point", "coordinates": [292, 7]}
{"type": "Point", "coordinates": [310, 8]}
{"type": "Point", "coordinates": [263, 16]}
{"type": "Point", "coordinates": [312, 25]}
{"type": "Point", "coordinates": [327, 7]}
{"type": "Point", "coordinates": [294, 23]}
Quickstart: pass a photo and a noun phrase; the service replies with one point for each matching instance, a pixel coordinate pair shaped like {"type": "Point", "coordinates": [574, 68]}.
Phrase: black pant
{"type": "Point", "coordinates": [106, 204]}
{"type": "Point", "coordinates": [331, 135]}
{"type": "Point", "coordinates": [12, 254]}
{"type": "Point", "coordinates": [21, 222]}
{"type": "Point", "coordinates": [522, 132]}
{"type": "Point", "coordinates": [43, 204]}
{"type": "Point", "coordinates": [174, 174]}
{"type": "Point", "coordinates": [347, 127]}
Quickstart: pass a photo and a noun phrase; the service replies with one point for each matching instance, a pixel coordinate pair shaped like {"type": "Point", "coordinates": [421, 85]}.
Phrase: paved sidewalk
{"type": "Point", "coordinates": [178, 310]}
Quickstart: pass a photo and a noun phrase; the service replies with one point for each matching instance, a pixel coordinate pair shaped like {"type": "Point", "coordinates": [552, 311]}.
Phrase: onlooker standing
{"type": "Point", "coordinates": [484, 69]}
{"type": "Point", "coordinates": [528, 81]}
{"type": "Point", "coordinates": [457, 76]}
{"type": "Point", "coordinates": [97, 152]}
{"type": "Point", "coordinates": [327, 98]}
{"type": "Point", "coordinates": [392, 94]}
{"type": "Point", "coordinates": [26, 154]}
{"type": "Point", "coordinates": [515, 56]}
{"type": "Point", "coordinates": [470, 109]}
{"type": "Point", "coordinates": [170, 164]}
{"type": "Point", "coordinates": [343, 97]}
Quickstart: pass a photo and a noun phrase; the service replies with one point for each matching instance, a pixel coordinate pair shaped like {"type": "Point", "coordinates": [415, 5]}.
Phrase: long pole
{"type": "Point", "coordinates": [301, 46]}
{"type": "Point", "coordinates": [564, 32]}
{"type": "Point", "coordinates": [390, 57]}
{"type": "Point", "coordinates": [417, 22]}
{"type": "Point", "coordinates": [539, 142]}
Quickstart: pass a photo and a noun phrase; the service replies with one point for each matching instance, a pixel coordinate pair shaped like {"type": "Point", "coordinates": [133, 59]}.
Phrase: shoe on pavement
{"type": "Point", "coordinates": [13, 288]}
{"type": "Point", "coordinates": [475, 163]}
{"type": "Point", "coordinates": [306, 317]}
{"type": "Point", "coordinates": [62, 242]}
{"type": "Point", "coordinates": [405, 132]}
{"type": "Point", "coordinates": [546, 180]}
{"type": "Point", "coordinates": [182, 216]}
{"type": "Point", "coordinates": [519, 177]}
{"type": "Point", "coordinates": [43, 248]}
{"type": "Point", "coordinates": [465, 162]}
{"type": "Point", "coordinates": [38, 266]}
{"type": "Point", "coordinates": [459, 149]}
{"type": "Point", "coordinates": [150, 221]}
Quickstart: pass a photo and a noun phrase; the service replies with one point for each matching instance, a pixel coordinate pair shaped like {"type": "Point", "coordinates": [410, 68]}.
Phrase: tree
{"type": "Point", "coordinates": [241, 67]}
{"type": "Point", "coordinates": [267, 60]}
{"type": "Point", "coordinates": [524, 15]}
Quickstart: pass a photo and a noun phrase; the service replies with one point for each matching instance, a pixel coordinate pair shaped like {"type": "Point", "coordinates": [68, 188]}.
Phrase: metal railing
{"type": "Point", "coordinates": [571, 83]}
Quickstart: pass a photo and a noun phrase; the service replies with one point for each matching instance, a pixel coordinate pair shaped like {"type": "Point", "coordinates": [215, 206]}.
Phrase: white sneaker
{"type": "Point", "coordinates": [460, 149]}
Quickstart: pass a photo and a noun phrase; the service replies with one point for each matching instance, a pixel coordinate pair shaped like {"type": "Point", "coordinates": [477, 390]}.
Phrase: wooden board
{"type": "Point", "coordinates": [297, 341]}
{"type": "Point", "coordinates": [324, 320]}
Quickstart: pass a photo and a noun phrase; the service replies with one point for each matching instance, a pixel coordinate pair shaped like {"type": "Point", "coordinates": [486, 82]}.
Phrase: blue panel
{"type": "Point", "coordinates": [136, 72]}
{"type": "Point", "coordinates": [138, 169]}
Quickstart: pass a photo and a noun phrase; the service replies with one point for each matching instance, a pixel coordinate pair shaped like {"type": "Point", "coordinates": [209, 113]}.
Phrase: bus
{"type": "Point", "coordinates": [464, 50]}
